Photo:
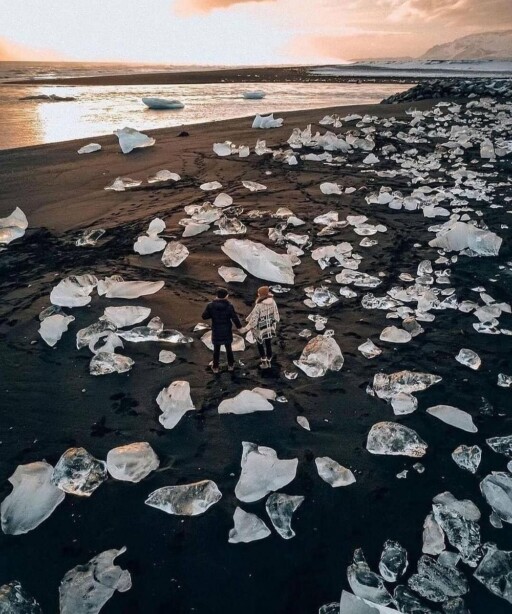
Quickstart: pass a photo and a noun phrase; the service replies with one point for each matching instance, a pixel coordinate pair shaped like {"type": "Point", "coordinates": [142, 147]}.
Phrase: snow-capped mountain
{"type": "Point", "coordinates": [483, 46]}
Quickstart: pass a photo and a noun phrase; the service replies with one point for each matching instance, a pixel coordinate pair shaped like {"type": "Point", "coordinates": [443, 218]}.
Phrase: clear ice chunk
{"type": "Point", "coordinates": [260, 261]}
{"type": "Point", "coordinates": [132, 462]}
{"type": "Point", "coordinates": [454, 417]}
{"type": "Point", "coordinates": [254, 186]}
{"type": "Point", "coordinates": [128, 315]}
{"type": "Point", "coordinates": [32, 500]}
{"type": "Point", "coordinates": [185, 499]}
{"type": "Point", "coordinates": [53, 327]}
{"type": "Point", "coordinates": [393, 561]}
{"type": "Point", "coordinates": [13, 226]}
{"type": "Point", "coordinates": [246, 402]}
{"type": "Point", "coordinates": [174, 254]}
{"type": "Point", "coordinates": [90, 237]}
{"type": "Point", "coordinates": [145, 245]}
{"type": "Point", "coordinates": [116, 287]}
{"type": "Point", "coordinates": [267, 121]}
{"type": "Point", "coordinates": [495, 572]}
{"type": "Point", "coordinates": [333, 473]}
{"type": "Point", "coordinates": [74, 291]}
{"type": "Point", "coordinates": [247, 528]}
{"type": "Point", "coordinates": [121, 184]}
{"type": "Point", "coordinates": [280, 509]}
{"type": "Point", "coordinates": [408, 603]}
{"type": "Point", "coordinates": [433, 536]}
{"type": "Point", "coordinates": [14, 599]}
{"type": "Point", "coordinates": [232, 274]}
{"type": "Point", "coordinates": [387, 386]}
{"type": "Point", "coordinates": [392, 334]}
{"type": "Point", "coordinates": [369, 350]}
{"type": "Point", "coordinates": [458, 236]}
{"type": "Point", "coordinates": [303, 422]}
{"type": "Point", "coordinates": [166, 356]}
{"type": "Point", "coordinates": [437, 582]}
{"type": "Point", "coordinates": [367, 584]}
{"type": "Point", "coordinates": [174, 401]}
{"type": "Point", "coordinates": [105, 363]}
{"type": "Point", "coordinates": [468, 358]}
{"type": "Point", "coordinates": [130, 139]}
{"type": "Point", "coordinates": [163, 175]}
{"type": "Point", "coordinates": [391, 438]}
{"type": "Point", "coordinates": [497, 491]}
{"type": "Point", "coordinates": [467, 457]}
{"type": "Point", "coordinates": [404, 403]}
{"type": "Point", "coordinates": [501, 445]}
{"type": "Point", "coordinates": [321, 354]}
{"type": "Point", "coordinates": [90, 148]}
{"type": "Point", "coordinates": [78, 473]}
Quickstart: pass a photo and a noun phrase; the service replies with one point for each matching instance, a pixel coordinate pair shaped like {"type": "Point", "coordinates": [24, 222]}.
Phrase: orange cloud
{"type": "Point", "coordinates": [13, 52]}
{"type": "Point", "coordinates": [188, 7]}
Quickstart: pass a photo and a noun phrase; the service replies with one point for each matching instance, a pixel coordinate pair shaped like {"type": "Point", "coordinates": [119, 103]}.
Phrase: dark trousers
{"type": "Point", "coordinates": [229, 354]}
{"type": "Point", "coordinates": [265, 348]}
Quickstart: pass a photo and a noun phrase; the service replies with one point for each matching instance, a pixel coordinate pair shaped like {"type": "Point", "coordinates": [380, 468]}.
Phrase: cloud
{"type": "Point", "coordinates": [190, 7]}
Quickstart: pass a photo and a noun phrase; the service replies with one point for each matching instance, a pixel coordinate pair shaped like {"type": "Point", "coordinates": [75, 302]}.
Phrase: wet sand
{"type": "Point", "coordinates": [50, 402]}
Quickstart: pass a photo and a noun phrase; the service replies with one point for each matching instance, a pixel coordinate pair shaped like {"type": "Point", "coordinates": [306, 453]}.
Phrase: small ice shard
{"type": "Point", "coordinates": [501, 445]}
{"type": "Point", "coordinates": [163, 175]}
{"type": "Point", "coordinates": [392, 334]}
{"type": "Point", "coordinates": [393, 561]}
{"type": "Point", "coordinates": [78, 473]}
{"type": "Point", "coordinates": [145, 245]}
{"type": "Point", "coordinates": [223, 149]}
{"type": "Point", "coordinates": [232, 274]}
{"type": "Point", "coordinates": [254, 186]}
{"type": "Point", "coordinates": [237, 346]}
{"type": "Point", "coordinates": [467, 457]}
{"type": "Point", "coordinates": [85, 589]}
{"type": "Point", "coordinates": [93, 332]}
{"type": "Point", "coordinates": [387, 386]}
{"type": "Point", "coordinates": [267, 121]}
{"type": "Point", "coordinates": [248, 528]}
{"type": "Point", "coordinates": [260, 261]}
{"type": "Point", "coordinates": [469, 359]}
{"type": "Point", "coordinates": [395, 439]}
{"type": "Point", "coordinates": [32, 500]}
{"type": "Point", "coordinates": [161, 104]}
{"type": "Point", "coordinates": [504, 381]}
{"type": "Point", "coordinates": [458, 236]}
{"type": "Point", "coordinates": [166, 356]}
{"type": "Point", "coordinates": [371, 159]}
{"type": "Point", "coordinates": [254, 95]}
{"type": "Point", "coordinates": [105, 363]}
{"type": "Point", "coordinates": [433, 536]}
{"type": "Point", "coordinates": [223, 200]}
{"type": "Point", "coordinates": [494, 572]}
{"type": "Point", "coordinates": [90, 148]}
{"type": "Point", "coordinates": [210, 186]}
{"type": "Point", "coordinates": [229, 226]}
{"type": "Point", "coordinates": [132, 462]}
{"type": "Point", "coordinates": [454, 417]}
{"type": "Point", "coordinates": [408, 603]}
{"type": "Point", "coordinates": [350, 604]}
{"type": "Point", "coordinates": [73, 291]}
{"type": "Point", "coordinates": [174, 402]}
{"type": "Point", "coordinates": [356, 278]}
{"type": "Point", "coordinates": [333, 473]}
{"type": "Point", "coordinates": [14, 599]}
{"type": "Point", "coordinates": [330, 188]}
{"type": "Point", "coordinates": [262, 472]}
{"type": "Point", "coordinates": [321, 354]}
{"type": "Point", "coordinates": [126, 316]}
{"type": "Point", "coordinates": [280, 509]}
{"type": "Point", "coordinates": [174, 254]}
{"type": "Point", "coordinates": [404, 403]}
{"type": "Point", "coordinates": [53, 327]}
{"type": "Point", "coordinates": [303, 422]}
{"type": "Point", "coordinates": [497, 491]}
{"type": "Point", "coordinates": [365, 583]}
{"type": "Point", "coordinates": [13, 226]}
{"type": "Point", "coordinates": [130, 139]}
{"type": "Point", "coordinates": [115, 287]}
{"type": "Point", "coordinates": [185, 499]}
{"type": "Point", "coordinates": [437, 582]}
{"type": "Point", "coordinates": [369, 350]}
{"type": "Point", "coordinates": [246, 402]}
{"type": "Point", "coordinates": [194, 228]}
{"type": "Point", "coordinates": [90, 237]}
{"type": "Point", "coordinates": [120, 184]}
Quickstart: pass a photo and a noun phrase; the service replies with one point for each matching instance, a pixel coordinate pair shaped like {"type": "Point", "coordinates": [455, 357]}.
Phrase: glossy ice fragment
{"type": "Point", "coordinates": [260, 261]}
{"type": "Point", "coordinates": [53, 327]}
{"type": "Point", "coordinates": [223, 200]}
{"type": "Point", "coordinates": [437, 582]}
{"type": "Point", "coordinates": [238, 342]}
{"type": "Point", "coordinates": [174, 402]}
{"type": "Point", "coordinates": [105, 363]}
{"type": "Point", "coordinates": [369, 350]}
{"type": "Point", "coordinates": [393, 561]}
{"type": "Point", "coordinates": [392, 334]}
{"type": "Point", "coordinates": [303, 422]}
{"type": "Point", "coordinates": [467, 457]}
{"type": "Point", "coordinates": [330, 188]}
{"type": "Point", "coordinates": [254, 186]}
{"type": "Point", "coordinates": [280, 508]}
{"type": "Point", "coordinates": [116, 287]}
{"type": "Point", "coordinates": [130, 139]}
{"type": "Point", "coordinates": [14, 599]}
{"type": "Point", "coordinates": [229, 226]}
{"type": "Point", "coordinates": [409, 603]}
{"type": "Point", "coordinates": [504, 381]}
{"type": "Point", "coordinates": [468, 358]}
{"type": "Point", "coordinates": [121, 184]}
{"type": "Point", "coordinates": [174, 254]}
{"type": "Point", "coordinates": [247, 528]}
{"type": "Point", "coordinates": [90, 237]}
{"type": "Point", "coordinates": [132, 462]}
{"type": "Point", "coordinates": [90, 148]}
{"type": "Point", "coordinates": [128, 315]}
{"type": "Point", "coordinates": [246, 402]}
{"type": "Point", "coordinates": [32, 500]}
{"type": "Point", "coordinates": [74, 291]}
{"type": "Point", "coordinates": [495, 572]}
{"type": "Point", "coordinates": [160, 104]}
{"type": "Point", "coordinates": [433, 536]}
{"type": "Point", "coordinates": [232, 274]}
{"type": "Point", "coordinates": [163, 175]}
{"type": "Point", "coordinates": [267, 121]}
{"type": "Point", "coordinates": [13, 226]}
{"type": "Point", "coordinates": [211, 185]}
{"type": "Point", "coordinates": [497, 491]}
{"type": "Point", "coordinates": [460, 236]}
{"type": "Point", "coordinates": [391, 438]}
{"type": "Point", "coordinates": [78, 473]}
{"type": "Point", "coordinates": [454, 417]}
{"type": "Point", "coordinates": [333, 473]}
{"type": "Point", "coordinates": [145, 245]}
{"type": "Point", "coordinates": [366, 584]}
{"type": "Point", "coordinates": [404, 403]}
{"type": "Point", "coordinates": [166, 356]}
{"type": "Point", "coordinates": [387, 386]}
{"type": "Point", "coordinates": [320, 355]}
{"type": "Point", "coordinates": [186, 499]}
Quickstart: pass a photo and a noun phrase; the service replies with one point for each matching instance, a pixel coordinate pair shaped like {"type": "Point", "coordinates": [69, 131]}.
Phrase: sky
{"type": "Point", "coordinates": [238, 32]}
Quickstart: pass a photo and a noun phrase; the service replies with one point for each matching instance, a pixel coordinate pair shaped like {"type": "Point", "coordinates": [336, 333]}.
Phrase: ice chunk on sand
{"type": "Point", "coordinates": [303, 422]}
{"type": "Point", "coordinates": [116, 287]}
{"type": "Point", "coordinates": [193, 228]}
{"type": "Point", "coordinates": [232, 274]}
{"type": "Point", "coordinates": [53, 327]}
{"type": "Point", "coordinates": [162, 104]}
{"type": "Point", "coordinates": [467, 457]}
{"type": "Point", "coordinates": [14, 599]}
{"type": "Point", "coordinates": [254, 186]}
{"type": "Point", "coordinates": [433, 536]}
{"type": "Point", "coordinates": [130, 139]}
{"type": "Point", "coordinates": [32, 499]}
{"type": "Point", "coordinates": [330, 188]}
{"type": "Point", "coordinates": [454, 417]}
{"type": "Point", "coordinates": [469, 359]}
{"type": "Point", "coordinates": [237, 346]}
{"type": "Point", "coordinates": [174, 254]}
{"type": "Point", "coordinates": [210, 186]}
{"type": "Point", "coordinates": [254, 95]}
{"type": "Point", "coordinates": [392, 334]}
{"type": "Point", "coordinates": [13, 226]}
{"type": "Point", "coordinates": [280, 508]}
{"type": "Point", "coordinates": [145, 245]}
{"type": "Point", "coordinates": [369, 350]}
{"type": "Point", "coordinates": [497, 490]}
{"type": "Point", "coordinates": [501, 445]}
{"type": "Point", "coordinates": [78, 473]}
{"type": "Point", "coordinates": [388, 386]}
{"type": "Point", "coordinates": [365, 583]}
{"type": "Point", "coordinates": [174, 401]}
{"type": "Point", "coordinates": [333, 473]}
{"type": "Point", "coordinates": [404, 403]}
{"type": "Point", "coordinates": [495, 572]}
{"type": "Point", "coordinates": [105, 363]}
{"type": "Point", "coordinates": [185, 499]}
{"type": "Point", "coordinates": [437, 582]}
{"type": "Point", "coordinates": [321, 354]}
{"type": "Point", "coordinates": [458, 236]}
{"type": "Point", "coordinates": [248, 528]}
{"type": "Point", "coordinates": [393, 561]}
{"type": "Point", "coordinates": [395, 439]}
{"type": "Point", "coordinates": [163, 175]}
{"type": "Point", "coordinates": [408, 603]}
{"type": "Point", "coordinates": [90, 148]}
{"type": "Point", "coordinates": [262, 472]}
{"type": "Point", "coordinates": [267, 121]}
{"type": "Point", "coordinates": [132, 462]}
{"type": "Point", "coordinates": [87, 588]}
{"type": "Point", "coordinates": [166, 356]}
{"type": "Point", "coordinates": [246, 402]}
{"type": "Point", "coordinates": [120, 184]}
{"type": "Point", "coordinates": [350, 604]}
{"type": "Point", "coordinates": [126, 316]}
{"type": "Point", "coordinates": [90, 237]}
{"type": "Point", "coordinates": [223, 149]}
{"type": "Point", "coordinates": [260, 261]}
{"type": "Point", "coordinates": [74, 291]}
{"type": "Point", "coordinates": [223, 200]}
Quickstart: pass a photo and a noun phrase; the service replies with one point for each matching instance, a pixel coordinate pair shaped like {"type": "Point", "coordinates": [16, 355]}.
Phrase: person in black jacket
{"type": "Point", "coordinates": [222, 314]}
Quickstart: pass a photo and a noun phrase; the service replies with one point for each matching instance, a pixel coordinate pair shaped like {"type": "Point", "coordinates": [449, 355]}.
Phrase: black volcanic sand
{"type": "Point", "coordinates": [51, 403]}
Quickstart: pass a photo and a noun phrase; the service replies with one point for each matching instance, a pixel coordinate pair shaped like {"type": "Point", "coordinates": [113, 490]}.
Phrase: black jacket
{"type": "Point", "coordinates": [222, 313]}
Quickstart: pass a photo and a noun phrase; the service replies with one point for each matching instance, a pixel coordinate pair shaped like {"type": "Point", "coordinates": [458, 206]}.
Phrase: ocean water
{"type": "Point", "coordinates": [98, 110]}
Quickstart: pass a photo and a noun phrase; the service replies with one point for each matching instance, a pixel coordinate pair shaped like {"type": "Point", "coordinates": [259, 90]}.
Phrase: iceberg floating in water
{"type": "Point", "coordinates": [248, 528]}
{"type": "Point", "coordinates": [130, 139]}
{"type": "Point", "coordinates": [91, 148]}
{"type": "Point", "coordinates": [260, 261]}
{"type": "Point", "coordinates": [162, 104]}
{"type": "Point", "coordinates": [267, 121]}
{"type": "Point", "coordinates": [32, 500]}
{"type": "Point", "coordinates": [87, 588]}
{"type": "Point", "coordinates": [174, 401]}
{"type": "Point", "coordinates": [186, 499]}
{"type": "Point", "coordinates": [395, 439]}
{"type": "Point", "coordinates": [132, 462]}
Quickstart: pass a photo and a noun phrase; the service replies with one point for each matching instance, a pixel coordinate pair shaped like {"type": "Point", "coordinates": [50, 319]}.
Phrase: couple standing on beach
{"type": "Point", "coordinates": [262, 321]}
